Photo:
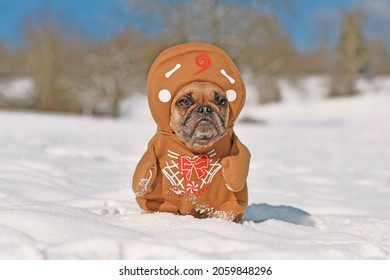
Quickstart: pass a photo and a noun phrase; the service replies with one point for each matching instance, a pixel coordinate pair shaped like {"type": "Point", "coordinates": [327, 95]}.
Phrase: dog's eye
{"type": "Point", "coordinates": [222, 102]}
{"type": "Point", "coordinates": [183, 102]}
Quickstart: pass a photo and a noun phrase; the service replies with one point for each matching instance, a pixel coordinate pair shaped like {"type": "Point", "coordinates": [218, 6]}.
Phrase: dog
{"type": "Point", "coordinates": [195, 164]}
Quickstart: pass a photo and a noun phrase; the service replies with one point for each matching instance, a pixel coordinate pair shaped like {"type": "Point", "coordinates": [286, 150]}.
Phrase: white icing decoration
{"type": "Point", "coordinates": [231, 95]}
{"type": "Point", "coordinates": [164, 95]}
{"type": "Point", "coordinates": [231, 80]}
{"type": "Point", "coordinates": [169, 73]}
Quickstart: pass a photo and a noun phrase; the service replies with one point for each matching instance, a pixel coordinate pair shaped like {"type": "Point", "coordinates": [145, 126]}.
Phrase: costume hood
{"type": "Point", "coordinates": [180, 65]}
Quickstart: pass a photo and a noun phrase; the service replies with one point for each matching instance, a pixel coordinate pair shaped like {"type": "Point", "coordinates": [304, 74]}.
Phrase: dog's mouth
{"type": "Point", "coordinates": [204, 126]}
{"type": "Point", "coordinates": [206, 132]}
{"type": "Point", "coordinates": [202, 132]}
{"type": "Point", "coordinates": [205, 121]}
{"type": "Point", "coordinates": [203, 140]}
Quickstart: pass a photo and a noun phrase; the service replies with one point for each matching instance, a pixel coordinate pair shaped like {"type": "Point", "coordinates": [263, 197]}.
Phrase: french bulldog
{"type": "Point", "coordinates": [194, 164]}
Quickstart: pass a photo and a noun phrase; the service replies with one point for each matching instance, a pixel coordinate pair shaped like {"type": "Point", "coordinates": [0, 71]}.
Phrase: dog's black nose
{"type": "Point", "coordinates": [204, 109]}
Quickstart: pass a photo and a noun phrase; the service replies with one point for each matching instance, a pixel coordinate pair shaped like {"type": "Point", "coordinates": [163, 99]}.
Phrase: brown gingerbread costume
{"type": "Point", "coordinates": [171, 177]}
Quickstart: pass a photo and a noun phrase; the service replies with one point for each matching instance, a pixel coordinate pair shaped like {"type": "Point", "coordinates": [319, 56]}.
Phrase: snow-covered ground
{"type": "Point", "coordinates": [319, 187]}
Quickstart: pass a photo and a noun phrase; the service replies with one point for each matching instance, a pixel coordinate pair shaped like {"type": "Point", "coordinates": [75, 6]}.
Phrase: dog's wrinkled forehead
{"type": "Point", "coordinates": [183, 64]}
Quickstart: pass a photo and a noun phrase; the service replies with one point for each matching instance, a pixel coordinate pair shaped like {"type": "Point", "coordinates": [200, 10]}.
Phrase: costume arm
{"type": "Point", "coordinates": [145, 173]}
{"type": "Point", "coordinates": [235, 167]}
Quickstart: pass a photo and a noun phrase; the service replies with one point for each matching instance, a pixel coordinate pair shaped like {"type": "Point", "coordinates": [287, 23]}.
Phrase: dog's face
{"type": "Point", "coordinates": [200, 114]}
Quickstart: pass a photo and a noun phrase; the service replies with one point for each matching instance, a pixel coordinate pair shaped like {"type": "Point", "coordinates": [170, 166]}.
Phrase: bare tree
{"type": "Point", "coordinates": [3, 58]}
{"type": "Point", "coordinates": [353, 56]}
{"type": "Point", "coordinates": [47, 59]}
{"type": "Point", "coordinates": [379, 57]}
{"type": "Point", "coordinates": [111, 72]}
{"type": "Point", "coordinates": [249, 32]}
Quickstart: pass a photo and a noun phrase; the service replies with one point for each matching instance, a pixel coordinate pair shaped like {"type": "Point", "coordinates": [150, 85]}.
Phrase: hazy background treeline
{"type": "Point", "coordinates": [73, 73]}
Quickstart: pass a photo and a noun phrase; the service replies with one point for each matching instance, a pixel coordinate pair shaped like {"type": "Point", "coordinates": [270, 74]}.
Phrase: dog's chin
{"type": "Point", "coordinates": [204, 134]}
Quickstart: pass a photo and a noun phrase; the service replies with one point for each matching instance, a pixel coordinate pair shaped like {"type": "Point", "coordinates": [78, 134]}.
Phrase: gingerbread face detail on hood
{"type": "Point", "coordinates": [180, 65]}
{"type": "Point", "coordinates": [190, 178]}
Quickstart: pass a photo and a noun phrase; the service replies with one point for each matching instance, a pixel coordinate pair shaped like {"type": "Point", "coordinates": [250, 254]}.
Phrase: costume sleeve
{"type": "Point", "coordinates": [145, 173]}
{"type": "Point", "coordinates": [235, 167]}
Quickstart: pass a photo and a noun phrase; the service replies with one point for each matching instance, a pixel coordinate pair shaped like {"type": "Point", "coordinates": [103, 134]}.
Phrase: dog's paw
{"type": "Point", "coordinates": [224, 215]}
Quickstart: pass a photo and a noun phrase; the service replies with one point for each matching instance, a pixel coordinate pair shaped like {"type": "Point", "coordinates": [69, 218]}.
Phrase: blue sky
{"type": "Point", "coordinates": [101, 19]}
{"type": "Point", "coordinates": [98, 18]}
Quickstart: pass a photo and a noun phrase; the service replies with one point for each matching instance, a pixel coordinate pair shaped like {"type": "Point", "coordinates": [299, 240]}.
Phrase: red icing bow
{"type": "Point", "coordinates": [199, 165]}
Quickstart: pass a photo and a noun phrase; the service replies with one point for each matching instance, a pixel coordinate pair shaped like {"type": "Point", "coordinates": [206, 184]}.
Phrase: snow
{"type": "Point", "coordinates": [21, 90]}
{"type": "Point", "coordinates": [319, 186]}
